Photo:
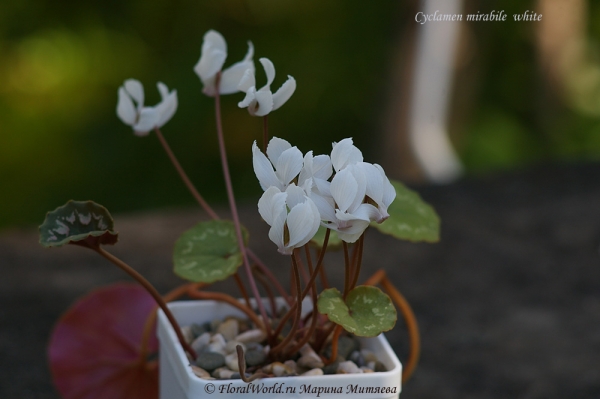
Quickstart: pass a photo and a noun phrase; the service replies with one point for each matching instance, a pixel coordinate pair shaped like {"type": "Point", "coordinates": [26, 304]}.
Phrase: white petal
{"type": "Point", "coordinates": [125, 108]}
{"type": "Point", "coordinates": [365, 212]}
{"type": "Point", "coordinates": [163, 90]}
{"type": "Point", "coordinates": [249, 100]}
{"type": "Point", "coordinates": [354, 232]}
{"type": "Point", "coordinates": [270, 204]}
{"type": "Point", "coordinates": [263, 169]}
{"type": "Point", "coordinates": [345, 153]}
{"type": "Point", "coordinates": [374, 179]}
{"type": "Point", "coordinates": [248, 80]}
{"type": "Point", "coordinates": [276, 233]}
{"type": "Point", "coordinates": [389, 192]}
{"type": "Point", "coordinates": [344, 189]}
{"type": "Point", "coordinates": [265, 103]}
{"type": "Point", "coordinates": [284, 93]}
{"type": "Point", "coordinates": [322, 167]}
{"type": "Point", "coordinates": [276, 147]}
{"type": "Point", "coordinates": [269, 71]}
{"type": "Point", "coordinates": [288, 165]}
{"type": "Point", "coordinates": [136, 91]}
{"type": "Point", "coordinates": [232, 76]}
{"type": "Point", "coordinates": [146, 122]}
{"type": "Point", "coordinates": [303, 222]}
{"type": "Point", "coordinates": [325, 205]}
{"type": "Point", "coordinates": [361, 180]}
{"type": "Point", "coordinates": [166, 109]}
{"type": "Point", "coordinates": [295, 195]}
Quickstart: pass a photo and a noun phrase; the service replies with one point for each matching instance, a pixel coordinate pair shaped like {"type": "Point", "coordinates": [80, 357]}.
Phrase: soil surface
{"type": "Point", "coordinates": [508, 302]}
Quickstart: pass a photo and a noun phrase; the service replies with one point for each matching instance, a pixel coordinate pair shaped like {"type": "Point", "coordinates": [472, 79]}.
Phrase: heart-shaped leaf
{"type": "Point", "coordinates": [367, 311]}
{"type": "Point", "coordinates": [319, 239]}
{"type": "Point", "coordinates": [208, 252]}
{"type": "Point", "coordinates": [78, 222]}
{"type": "Point", "coordinates": [94, 350]}
{"type": "Point", "coordinates": [411, 218]}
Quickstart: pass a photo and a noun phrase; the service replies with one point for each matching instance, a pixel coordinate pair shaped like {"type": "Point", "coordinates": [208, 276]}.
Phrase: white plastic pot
{"type": "Point", "coordinates": [177, 381]}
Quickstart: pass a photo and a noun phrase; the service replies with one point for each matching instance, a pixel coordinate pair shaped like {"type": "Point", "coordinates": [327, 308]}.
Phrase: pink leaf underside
{"type": "Point", "coordinates": [95, 346]}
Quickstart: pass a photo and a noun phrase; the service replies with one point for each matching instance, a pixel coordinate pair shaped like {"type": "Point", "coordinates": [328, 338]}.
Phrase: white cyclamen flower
{"type": "Point", "coordinates": [379, 190]}
{"type": "Point", "coordinates": [345, 153]}
{"type": "Point", "coordinates": [293, 217]}
{"type": "Point", "coordinates": [212, 58]}
{"type": "Point", "coordinates": [351, 215]}
{"type": "Point", "coordinates": [131, 110]}
{"type": "Point", "coordinates": [285, 159]}
{"type": "Point", "coordinates": [262, 101]}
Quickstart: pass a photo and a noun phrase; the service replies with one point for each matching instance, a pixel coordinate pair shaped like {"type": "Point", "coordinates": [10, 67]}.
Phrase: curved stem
{"type": "Point", "coordinates": [184, 176]}
{"type": "Point", "coordinates": [240, 284]}
{"type": "Point", "coordinates": [233, 208]}
{"type": "Point", "coordinates": [409, 318]}
{"type": "Point", "coordinates": [265, 283]}
{"type": "Point", "coordinates": [334, 344]}
{"type": "Point", "coordinates": [346, 270]}
{"type": "Point", "coordinates": [149, 324]}
{"type": "Point", "coordinates": [152, 291]}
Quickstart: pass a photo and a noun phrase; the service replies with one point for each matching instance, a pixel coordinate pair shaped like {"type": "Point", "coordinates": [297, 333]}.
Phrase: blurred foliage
{"type": "Point", "coordinates": [61, 64]}
{"type": "Point", "coordinates": [516, 119]}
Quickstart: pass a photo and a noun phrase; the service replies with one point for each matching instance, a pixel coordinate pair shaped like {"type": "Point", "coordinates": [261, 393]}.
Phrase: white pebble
{"type": "Point", "coordinates": [310, 361]}
{"type": "Point", "coordinates": [201, 342]}
{"type": "Point", "coordinates": [231, 346]}
{"type": "Point", "coordinates": [348, 367]}
{"type": "Point", "coordinates": [187, 334]}
{"type": "Point", "coordinates": [231, 361]}
{"type": "Point", "coordinates": [229, 329]}
{"type": "Point", "coordinates": [201, 373]}
{"type": "Point", "coordinates": [313, 372]}
{"type": "Point", "coordinates": [255, 335]}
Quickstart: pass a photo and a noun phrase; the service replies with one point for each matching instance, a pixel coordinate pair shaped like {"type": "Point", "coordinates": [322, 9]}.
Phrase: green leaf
{"type": "Point", "coordinates": [411, 218]}
{"type": "Point", "coordinates": [208, 252]}
{"type": "Point", "coordinates": [78, 222]}
{"type": "Point", "coordinates": [367, 311]}
{"type": "Point", "coordinates": [319, 238]}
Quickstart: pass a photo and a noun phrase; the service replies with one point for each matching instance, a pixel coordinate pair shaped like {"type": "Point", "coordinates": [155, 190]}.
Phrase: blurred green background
{"type": "Point", "coordinates": [62, 62]}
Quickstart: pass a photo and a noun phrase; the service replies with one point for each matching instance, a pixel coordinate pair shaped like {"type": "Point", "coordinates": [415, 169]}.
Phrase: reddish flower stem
{"type": "Point", "coordinates": [233, 209]}
{"type": "Point", "coordinates": [152, 291]}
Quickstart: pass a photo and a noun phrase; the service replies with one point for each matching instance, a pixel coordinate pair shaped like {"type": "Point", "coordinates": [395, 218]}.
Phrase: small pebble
{"type": "Point", "coordinates": [231, 361]}
{"type": "Point", "coordinates": [187, 334]}
{"type": "Point", "coordinates": [348, 367]}
{"type": "Point", "coordinates": [229, 329]}
{"type": "Point", "coordinates": [313, 372]}
{"type": "Point", "coordinates": [231, 347]}
{"type": "Point", "coordinates": [210, 360]}
{"type": "Point", "coordinates": [255, 335]}
{"type": "Point", "coordinates": [223, 373]}
{"type": "Point", "coordinates": [366, 370]}
{"type": "Point", "coordinates": [255, 358]}
{"type": "Point", "coordinates": [310, 361]}
{"type": "Point", "coordinates": [331, 368]}
{"type": "Point", "coordinates": [200, 372]}
{"type": "Point", "coordinates": [198, 329]}
{"type": "Point", "coordinates": [357, 358]}
{"type": "Point", "coordinates": [368, 355]}
{"type": "Point", "coordinates": [292, 366]}
{"type": "Point", "coordinates": [201, 342]}
{"type": "Point", "coordinates": [215, 324]}
{"type": "Point", "coordinates": [379, 367]}
{"type": "Point", "coordinates": [278, 369]}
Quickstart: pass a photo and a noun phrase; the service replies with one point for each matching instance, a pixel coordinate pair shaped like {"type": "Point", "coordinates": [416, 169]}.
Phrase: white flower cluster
{"type": "Point", "coordinates": [301, 194]}
{"type": "Point", "coordinates": [239, 77]}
